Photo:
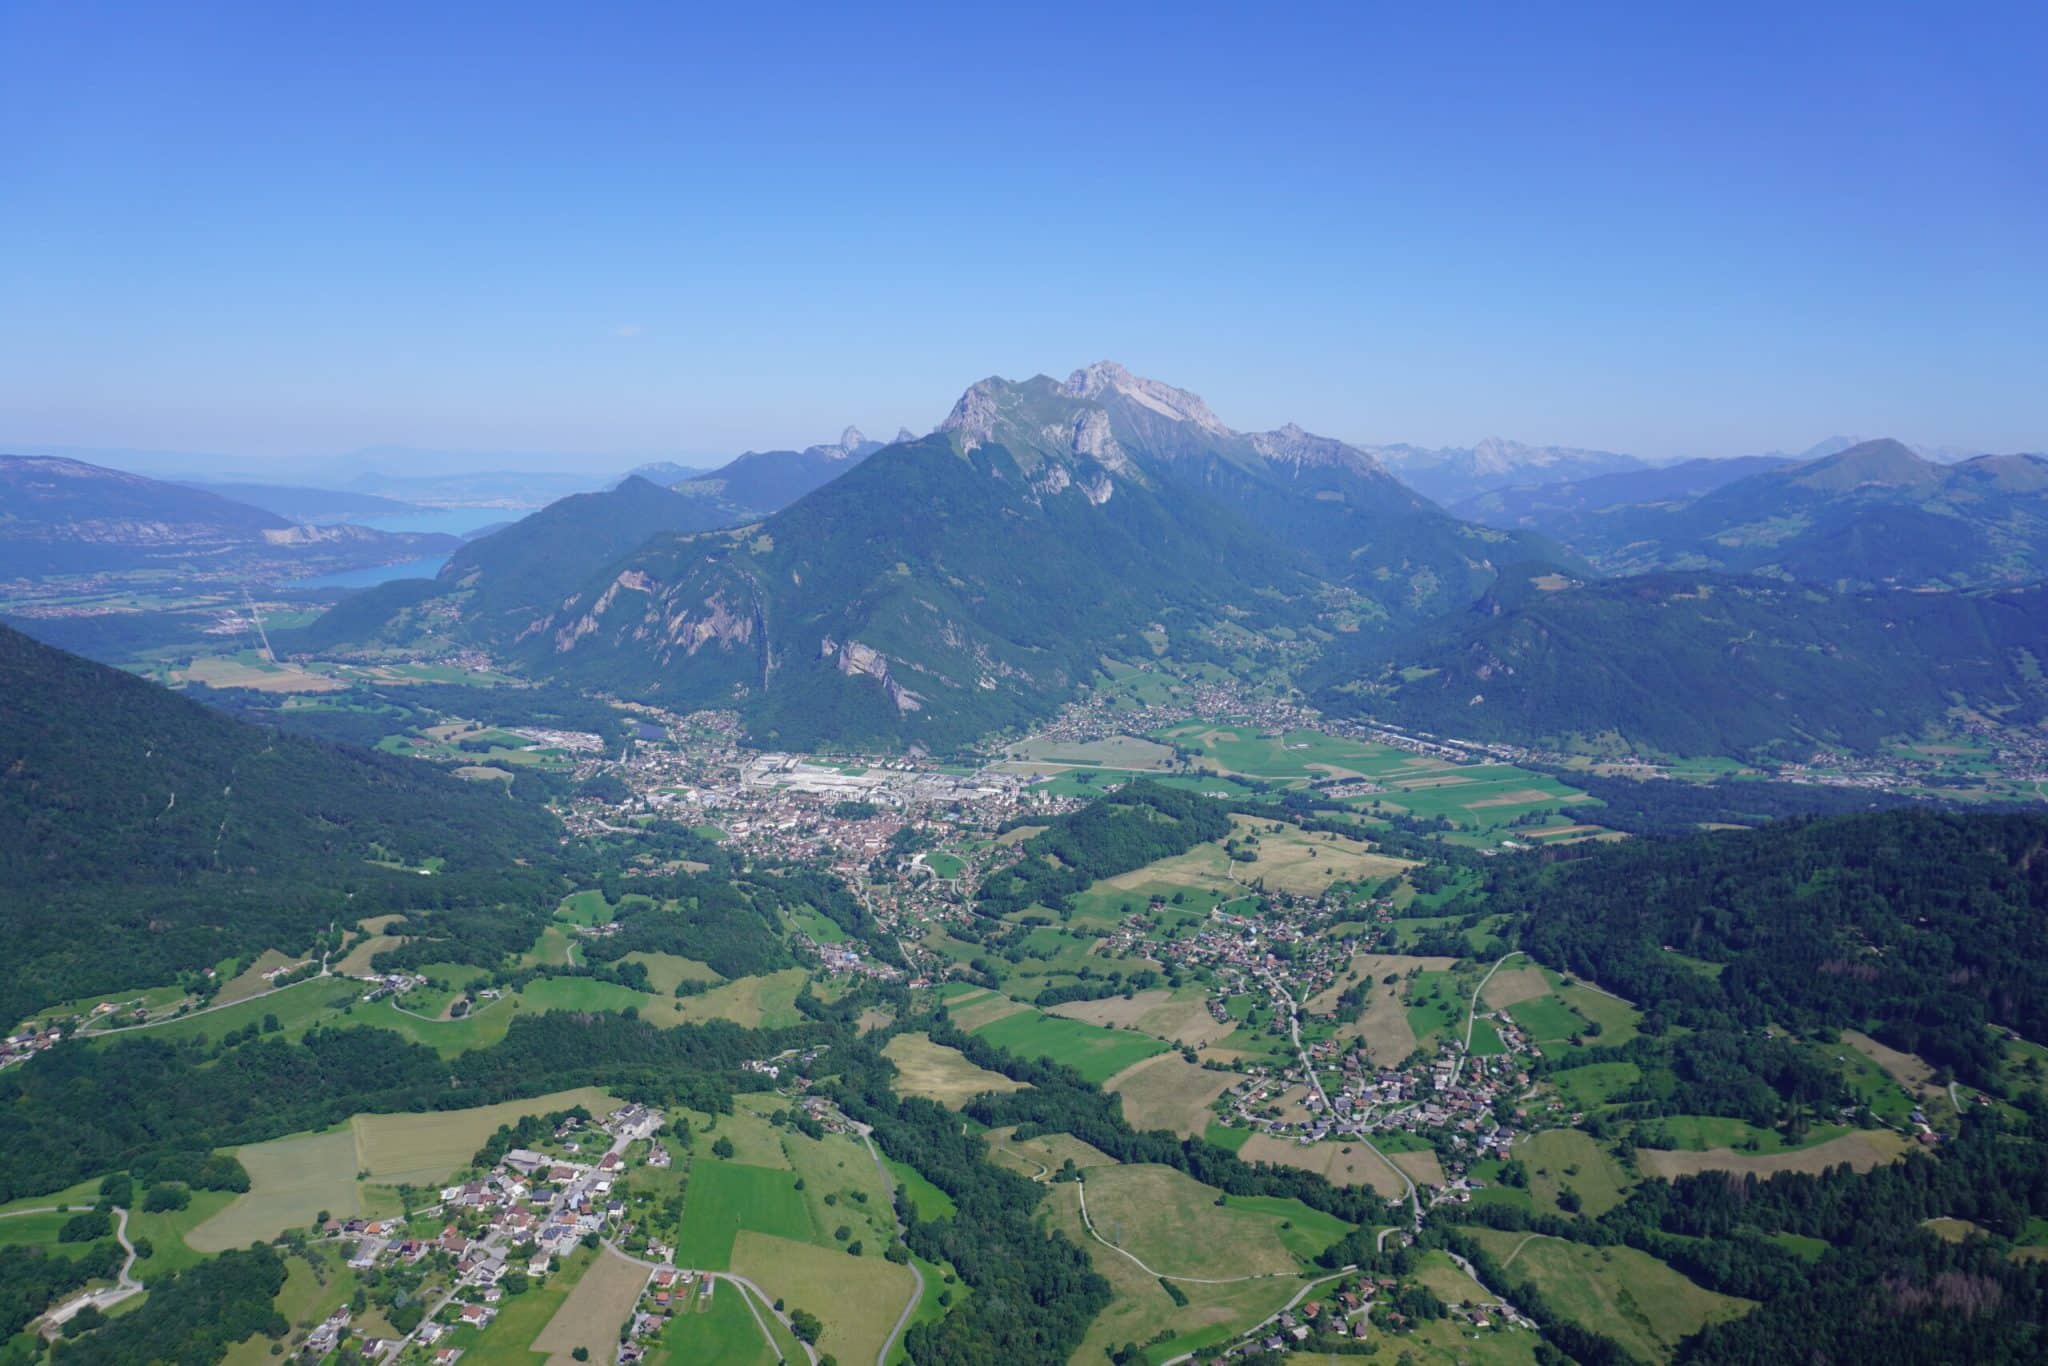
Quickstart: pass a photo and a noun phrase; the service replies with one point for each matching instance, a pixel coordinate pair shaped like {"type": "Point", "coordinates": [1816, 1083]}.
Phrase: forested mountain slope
{"type": "Point", "coordinates": [143, 835]}
{"type": "Point", "coordinates": [1701, 664]}
{"type": "Point", "coordinates": [972, 579]}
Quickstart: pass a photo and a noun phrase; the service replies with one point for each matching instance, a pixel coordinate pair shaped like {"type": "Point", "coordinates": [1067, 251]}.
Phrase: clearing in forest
{"type": "Point", "coordinates": [1343, 1164]}
{"type": "Point", "coordinates": [1862, 1150]}
{"type": "Point", "coordinates": [1169, 1092]}
{"type": "Point", "coordinates": [1630, 1296]}
{"type": "Point", "coordinates": [939, 1073]}
{"type": "Point", "coordinates": [857, 1298]}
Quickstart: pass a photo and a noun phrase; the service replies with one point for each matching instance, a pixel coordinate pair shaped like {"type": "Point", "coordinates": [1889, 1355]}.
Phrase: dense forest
{"type": "Point", "coordinates": [1138, 824]}
{"type": "Point", "coordinates": [143, 835]}
{"type": "Point", "coordinates": [1921, 927]}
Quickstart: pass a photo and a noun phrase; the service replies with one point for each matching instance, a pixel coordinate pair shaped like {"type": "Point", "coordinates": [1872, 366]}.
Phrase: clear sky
{"type": "Point", "coordinates": [678, 230]}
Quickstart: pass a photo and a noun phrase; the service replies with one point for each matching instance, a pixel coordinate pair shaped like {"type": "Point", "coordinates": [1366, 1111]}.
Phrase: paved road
{"type": "Point", "coordinates": [1294, 1031]}
{"type": "Point", "coordinates": [1260, 1326]}
{"type": "Point", "coordinates": [126, 1287]}
{"type": "Point", "coordinates": [917, 1292]}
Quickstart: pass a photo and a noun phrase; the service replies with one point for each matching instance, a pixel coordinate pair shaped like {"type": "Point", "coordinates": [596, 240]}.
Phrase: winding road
{"type": "Point", "coordinates": [125, 1287]}
{"type": "Point", "coordinates": [917, 1293]}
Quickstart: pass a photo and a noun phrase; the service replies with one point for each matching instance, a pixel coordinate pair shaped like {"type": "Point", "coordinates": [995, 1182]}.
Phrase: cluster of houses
{"type": "Point", "coordinates": [668, 1292]}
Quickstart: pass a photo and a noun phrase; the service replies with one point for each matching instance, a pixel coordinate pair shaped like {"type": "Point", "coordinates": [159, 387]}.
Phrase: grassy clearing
{"type": "Point", "coordinates": [1169, 1092]}
{"type": "Point", "coordinates": [858, 1298]}
{"type": "Point", "coordinates": [299, 1007]}
{"type": "Point", "coordinates": [1627, 1295]}
{"type": "Point", "coordinates": [290, 1181]}
{"type": "Point", "coordinates": [1862, 1150]}
{"type": "Point", "coordinates": [1178, 1016]}
{"type": "Point", "coordinates": [939, 1073]}
{"type": "Point", "coordinates": [929, 1200]}
{"type": "Point", "coordinates": [1043, 1154]}
{"type": "Point", "coordinates": [726, 1198]}
{"type": "Point", "coordinates": [667, 971]}
{"type": "Point", "coordinates": [1566, 1159]}
{"type": "Point", "coordinates": [1097, 1054]}
{"type": "Point", "coordinates": [1384, 1024]}
{"type": "Point", "coordinates": [1171, 1222]}
{"type": "Point", "coordinates": [429, 1148]}
{"type": "Point", "coordinates": [1141, 1308]}
{"type": "Point", "coordinates": [1345, 1164]}
{"type": "Point", "coordinates": [591, 1316]}
{"type": "Point", "coordinates": [764, 1002]}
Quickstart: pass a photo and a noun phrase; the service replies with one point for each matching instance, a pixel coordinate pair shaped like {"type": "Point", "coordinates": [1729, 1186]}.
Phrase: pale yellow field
{"type": "Point", "coordinates": [1172, 1223]}
{"type": "Point", "coordinates": [229, 673]}
{"type": "Point", "coordinates": [746, 1001]}
{"type": "Point", "coordinates": [1177, 1016]}
{"type": "Point", "coordinates": [939, 1073]}
{"type": "Point", "coordinates": [1862, 1151]}
{"type": "Point", "coordinates": [1422, 1168]}
{"type": "Point", "coordinates": [290, 1181]}
{"type": "Point", "coordinates": [858, 1298]}
{"type": "Point", "coordinates": [357, 963]}
{"type": "Point", "coordinates": [667, 971]}
{"type": "Point", "coordinates": [1297, 860]}
{"type": "Point", "coordinates": [1384, 1024]}
{"type": "Point", "coordinates": [1028, 1155]}
{"type": "Point", "coordinates": [428, 1148]}
{"type": "Point", "coordinates": [1168, 1092]}
{"type": "Point", "coordinates": [1511, 985]}
{"type": "Point", "coordinates": [591, 1316]}
{"type": "Point", "coordinates": [971, 1012]}
{"type": "Point", "coordinates": [1521, 796]}
{"type": "Point", "coordinates": [1359, 1167]}
{"type": "Point", "coordinates": [1141, 1308]}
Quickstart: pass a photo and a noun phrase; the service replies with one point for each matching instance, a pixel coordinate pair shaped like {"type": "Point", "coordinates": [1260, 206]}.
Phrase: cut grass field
{"type": "Point", "coordinates": [1291, 859]}
{"type": "Point", "coordinates": [764, 1002]}
{"type": "Point", "coordinates": [1169, 1092]}
{"type": "Point", "coordinates": [1384, 1024]}
{"type": "Point", "coordinates": [667, 971]}
{"type": "Point", "coordinates": [1172, 1223]}
{"type": "Point", "coordinates": [590, 1317]}
{"type": "Point", "coordinates": [1097, 1054]}
{"type": "Point", "coordinates": [1627, 1295]}
{"type": "Point", "coordinates": [1041, 1154]}
{"type": "Point", "coordinates": [722, 1331]}
{"type": "Point", "coordinates": [1178, 1016]}
{"type": "Point", "coordinates": [522, 1318]}
{"type": "Point", "coordinates": [1140, 1308]}
{"type": "Point", "coordinates": [939, 1073]}
{"type": "Point", "coordinates": [725, 1199]}
{"type": "Point", "coordinates": [1330, 1160]}
{"type": "Point", "coordinates": [1862, 1150]}
{"type": "Point", "coordinates": [292, 1179]}
{"type": "Point", "coordinates": [1560, 1159]}
{"type": "Point", "coordinates": [858, 1298]}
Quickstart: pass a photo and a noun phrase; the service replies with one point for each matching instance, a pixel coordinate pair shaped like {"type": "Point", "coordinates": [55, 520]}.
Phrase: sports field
{"type": "Point", "coordinates": [931, 1070]}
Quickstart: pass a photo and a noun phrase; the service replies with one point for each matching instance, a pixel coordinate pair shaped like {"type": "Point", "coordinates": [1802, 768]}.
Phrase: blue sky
{"type": "Point", "coordinates": [295, 230]}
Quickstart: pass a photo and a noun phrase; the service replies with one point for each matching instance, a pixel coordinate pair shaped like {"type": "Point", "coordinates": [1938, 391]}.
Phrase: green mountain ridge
{"type": "Point", "coordinates": [143, 835]}
{"type": "Point", "coordinates": [1874, 515]}
{"type": "Point", "coordinates": [1696, 664]}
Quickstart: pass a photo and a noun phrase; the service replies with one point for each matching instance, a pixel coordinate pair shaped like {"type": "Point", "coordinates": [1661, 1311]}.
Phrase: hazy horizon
{"type": "Point", "coordinates": [275, 236]}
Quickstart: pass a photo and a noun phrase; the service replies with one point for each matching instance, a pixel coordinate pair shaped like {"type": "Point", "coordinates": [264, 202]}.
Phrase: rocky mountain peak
{"type": "Point", "coordinates": [1107, 377]}
{"type": "Point", "coordinates": [852, 439]}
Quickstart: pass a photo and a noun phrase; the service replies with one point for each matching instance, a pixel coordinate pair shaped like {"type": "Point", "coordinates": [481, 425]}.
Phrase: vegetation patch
{"type": "Point", "coordinates": [1169, 1092]}
{"type": "Point", "coordinates": [939, 1073]}
{"type": "Point", "coordinates": [858, 1298]}
{"type": "Point", "coordinates": [725, 1198]}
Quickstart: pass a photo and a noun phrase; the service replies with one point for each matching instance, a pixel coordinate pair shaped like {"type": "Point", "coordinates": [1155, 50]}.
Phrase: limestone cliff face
{"type": "Point", "coordinates": [854, 659]}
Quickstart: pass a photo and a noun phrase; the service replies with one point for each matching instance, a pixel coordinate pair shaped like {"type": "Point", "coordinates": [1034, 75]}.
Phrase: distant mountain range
{"type": "Point", "coordinates": [1452, 474]}
{"type": "Point", "coordinates": [60, 516]}
{"type": "Point", "coordinates": [1872, 515]}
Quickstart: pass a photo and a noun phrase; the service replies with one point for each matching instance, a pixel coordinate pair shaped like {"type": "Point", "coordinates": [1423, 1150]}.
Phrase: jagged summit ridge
{"type": "Point", "coordinates": [1106, 376]}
